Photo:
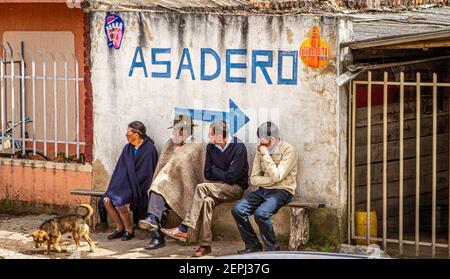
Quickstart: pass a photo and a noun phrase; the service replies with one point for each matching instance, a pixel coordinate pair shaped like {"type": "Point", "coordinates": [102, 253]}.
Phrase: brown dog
{"type": "Point", "coordinates": [50, 231]}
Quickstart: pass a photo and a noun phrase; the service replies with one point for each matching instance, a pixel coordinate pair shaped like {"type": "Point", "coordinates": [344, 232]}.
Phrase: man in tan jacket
{"type": "Point", "coordinates": [275, 172]}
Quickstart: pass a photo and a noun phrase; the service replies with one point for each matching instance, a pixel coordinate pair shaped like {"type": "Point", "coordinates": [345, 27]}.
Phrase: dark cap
{"type": "Point", "coordinates": [182, 121]}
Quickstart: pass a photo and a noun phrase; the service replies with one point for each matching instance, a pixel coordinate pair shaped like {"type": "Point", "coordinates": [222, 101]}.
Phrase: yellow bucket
{"type": "Point", "coordinates": [361, 226]}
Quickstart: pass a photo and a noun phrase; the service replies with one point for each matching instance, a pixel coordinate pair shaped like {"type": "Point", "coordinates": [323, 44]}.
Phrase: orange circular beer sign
{"type": "Point", "coordinates": [314, 51]}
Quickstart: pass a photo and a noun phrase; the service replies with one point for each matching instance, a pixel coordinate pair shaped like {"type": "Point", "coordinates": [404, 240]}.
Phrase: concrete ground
{"type": "Point", "coordinates": [14, 243]}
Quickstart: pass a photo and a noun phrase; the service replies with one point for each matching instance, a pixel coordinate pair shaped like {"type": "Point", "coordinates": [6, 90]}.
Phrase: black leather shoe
{"type": "Point", "coordinates": [116, 235]}
{"type": "Point", "coordinates": [127, 236]}
{"type": "Point", "coordinates": [255, 249]}
{"type": "Point", "coordinates": [148, 224]}
{"type": "Point", "coordinates": [155, 243]}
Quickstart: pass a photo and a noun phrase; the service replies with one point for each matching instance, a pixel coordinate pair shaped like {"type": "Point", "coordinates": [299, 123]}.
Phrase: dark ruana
{"type": "Point", "coordinates": [132, 178]}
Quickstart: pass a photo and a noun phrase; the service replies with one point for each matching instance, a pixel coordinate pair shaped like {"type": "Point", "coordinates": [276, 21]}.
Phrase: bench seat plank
{"type": "Point", "coordinates": [85, 192]}
{"type": "Point", "coordinates": [305, 204]}
{"type": "Point", "coordinates": [299, 217]}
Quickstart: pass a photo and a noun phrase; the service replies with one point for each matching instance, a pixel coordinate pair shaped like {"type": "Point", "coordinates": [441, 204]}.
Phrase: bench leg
{"type": "Point", "coordinates": [94, 204]}
{"type": "Point", "coordinates": [299, 233]}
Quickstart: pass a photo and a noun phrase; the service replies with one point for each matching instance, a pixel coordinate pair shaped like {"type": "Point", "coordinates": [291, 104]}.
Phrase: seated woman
{"type": "Point", "coordinates": [130, 181]}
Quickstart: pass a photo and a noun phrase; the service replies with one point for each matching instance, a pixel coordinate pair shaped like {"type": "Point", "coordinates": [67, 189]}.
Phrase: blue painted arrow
{"type": "Point", "coordinates": [235, 118]}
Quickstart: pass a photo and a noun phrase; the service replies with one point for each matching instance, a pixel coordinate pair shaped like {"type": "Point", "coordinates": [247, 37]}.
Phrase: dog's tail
{"type": "Point", "coordinates": [89, 210]}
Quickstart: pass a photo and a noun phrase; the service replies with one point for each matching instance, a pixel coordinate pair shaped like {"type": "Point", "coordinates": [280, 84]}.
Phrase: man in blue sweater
{"type": "Point", "coordinates": [226, 168]}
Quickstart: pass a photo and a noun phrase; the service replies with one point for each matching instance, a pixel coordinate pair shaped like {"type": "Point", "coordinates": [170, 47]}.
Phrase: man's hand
{"type": "Point", "coordinates": [263, 150]}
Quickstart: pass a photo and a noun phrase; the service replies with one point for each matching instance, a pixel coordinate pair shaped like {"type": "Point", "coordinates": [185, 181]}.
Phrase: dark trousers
{"type": "Point", "coordinates": [263, 203]}
{"type": "Point", "coordinates": [158, 207]}
{"type": "Point", "coordinates": [102, 212]}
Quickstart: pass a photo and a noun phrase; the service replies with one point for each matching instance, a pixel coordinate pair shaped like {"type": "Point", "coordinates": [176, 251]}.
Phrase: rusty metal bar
{"type": "Point", "coordinates": [369, 149]}
{"type": "Point", "coordinates": [408, 242]}
{"type": "Point", "coordinates": [417, 236]}
{"type": "Point", "coordinates": [385, 97]}
{"type": "Point", "coordinates": [353, 155]}
{"type": "Point", "coordinates": [433, 202]}
{"type": "Point", "coordinates": [349, 167]}
{"type": "Point", "coordinates": [423, 84]}
{"type": "Point", "coordinates": [402, 116]}
{"type": "Point", "coordinates": [400, 241]}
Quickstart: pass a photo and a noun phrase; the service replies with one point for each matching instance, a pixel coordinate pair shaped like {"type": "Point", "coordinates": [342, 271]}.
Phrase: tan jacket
{"type": "Point", "coordinates": [278, 170]}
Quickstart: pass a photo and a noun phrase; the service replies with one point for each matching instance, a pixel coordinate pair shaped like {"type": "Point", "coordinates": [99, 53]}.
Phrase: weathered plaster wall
{"type": "Point", "coordinates": [38, 186]}
{"type": "Point", "coordinates": [307, 112]}
{"type": "Point", "coordinates": [33, 186]}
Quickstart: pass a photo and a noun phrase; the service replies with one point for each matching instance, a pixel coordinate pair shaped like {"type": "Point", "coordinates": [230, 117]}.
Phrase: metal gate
{"type": "Point", "coordinates": [50, 94]}
{"type": "Point", "coordinates": [395, 149]}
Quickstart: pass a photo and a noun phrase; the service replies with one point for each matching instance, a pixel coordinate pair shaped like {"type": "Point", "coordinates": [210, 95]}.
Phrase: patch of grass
{"type": "Point", "coordinates": [327, 247]}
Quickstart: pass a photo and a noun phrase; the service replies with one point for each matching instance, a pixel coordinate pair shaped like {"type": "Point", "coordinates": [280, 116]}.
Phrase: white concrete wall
{"type": "Point", "coordinates": [345, 31]}
{"type": "Point", "coordinates": [307, 113]}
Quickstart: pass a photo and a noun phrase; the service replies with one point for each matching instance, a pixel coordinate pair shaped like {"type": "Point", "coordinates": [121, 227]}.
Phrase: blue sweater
{"type": "Point", "coordinates": [229, 166]}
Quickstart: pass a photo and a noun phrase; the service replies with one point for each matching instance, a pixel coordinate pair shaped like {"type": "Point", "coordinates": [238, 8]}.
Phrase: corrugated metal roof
{"type": "Point", "coordinates": [330, 7]}
{"type": "Point", "coordinates": [368, 26]}
{"type": "Point", "coordinates": [218, 6]}
{"type": "Point", "coordinates": [440, 34]}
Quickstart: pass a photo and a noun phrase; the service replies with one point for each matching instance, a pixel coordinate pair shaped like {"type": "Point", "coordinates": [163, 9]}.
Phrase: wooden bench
{"type": "Point", "coordinates": [95, 198]}
{"type": "Point", "coordinates": [299, 229]}
{"type": "Point", "coordinates": [299, 216]}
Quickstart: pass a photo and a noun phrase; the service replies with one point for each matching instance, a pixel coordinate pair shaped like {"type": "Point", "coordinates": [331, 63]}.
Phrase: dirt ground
{"type": "Point", "coordinates": [15, 244]}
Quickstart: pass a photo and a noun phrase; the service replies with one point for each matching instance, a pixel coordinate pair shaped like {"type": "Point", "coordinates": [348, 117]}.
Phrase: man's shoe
{"type": "Point", "coordinates": [175, 233]}
{"type": "Point", "coordinates": [127, 236]}
{"type": "Point", "coordinates": [202, 251]}
{"type": "Point", "coordinates": [155, 243]}
{"type": "Point", "coordinates": [251, 250]}
{"type": "Point", "coordinates": [148, 224]}
{"type": "Point", "coordinates": [116, 235]}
